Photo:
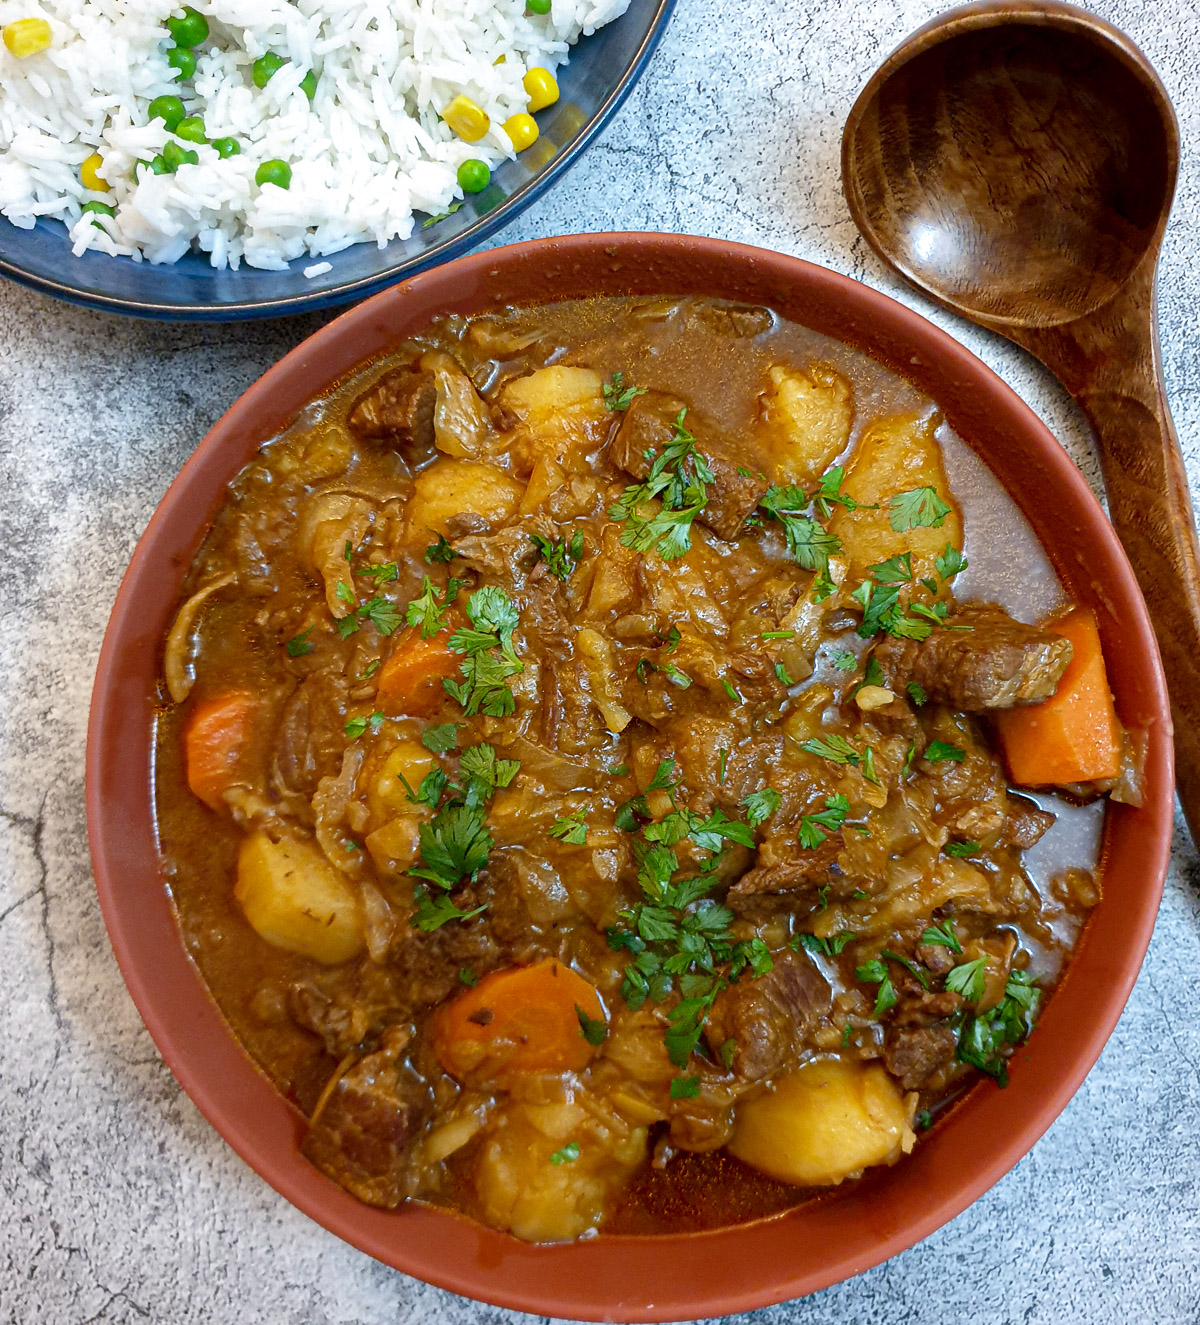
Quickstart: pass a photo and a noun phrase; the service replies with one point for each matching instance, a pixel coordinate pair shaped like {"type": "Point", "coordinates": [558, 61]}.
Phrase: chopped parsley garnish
{"type": "Point", "coordinates": [982, 1039]}
{"type": "Point", "coordinates": [942, 936]}
{"type": "Point", "coordinates": [961, 848]}
{"type": "Point", "coordinates": [679, 477]}
{"type": "Point", "coordinates": [916, 693]}
{"type": "Point", "coordinates": [491, 659]}
{"type": "Point", "coordinates": [671, 639]}
{"type": "Point", "coordinates": [917, 508]}
{"type": "Point", "coordinates": [918, 974]}
{"type": "Point", "coordinates": [883, 611]}
{"type": "Point", "coordinates": [661, 781]}
{"type": "Point", "coordinates": [937, 752]}
{"type": "Point", "coordinates": [440, 551]}
{"type": "Point", "coordinates": [924, 1119]}
{"type": "Point", "coordinates": [835, 748]}
{"type": "Point", "coordinates": [567, 1155]}
{"type": "Point", "coordinates": [778, 634]}
{"type": "Point", "coordinates": [845, 661]}
{"type": "Point", "coordinates": [441, 216]}
{"type": "Point", "coordinates": [368, 671]}
{"type": "Point", "coordinates": [950, 561]}
{"type": "Point", "coordinates": [815, 828]}
{"type": "Point", "coordinates": [383, 572]}
{"type": "Point", "coordinates": [344, 592]}
{"type": "Point", "coordinates": [968, 979]}
{"type": "Point", "coordinates": [727, 1052]}
{"type": "Point", "coordinates": [561, 558]}
{"type": "Point", "coordinates": [468, 977]}
{"type": "Point", "coordinates": [427, 611]}
{"type": "Point", "coordinates": [731, 690]}
{"type": "Point", "coordinates": [822, 585]}
{"type": "Point", "coordinates": [722, 763]}
{"type": "Point", "coordinates": [438, 740]}
{"type": "Point", "coordinates": [356, 727]}
{"type": "Point", "coordinates": [675, 675]}
{"type": "Point", "coordinates": [760, 805]}
{"type": "Point", "coordinates": [572, 830]}
{"type": "Point", "coordinates": [685, 1088]}
{"type": "Point", "coordinates": [618, 396]}
{"type": "Point", "coordinates": [875, 972]}
{"type": "Point", "coordinates": [383, 615]}
{"type": "Point", "coordinates": [299, 646]}
{"type": "Point", "coordinates": [454, 845]}
{"type": "Point", "coordinates": [618, 770]}
{"type": "Point", "coordinates": [782, 673]}
{"type": "Point", "coordinates": [895, 570]}
{"type": "Point", "coordinates": [830, 947]}
{"type": "Point", "coordinates": [808, 541]}
{"type": "Point", "coordinates": [593, 1029]}
{"type": "Point", "coordinates": [829, 493]}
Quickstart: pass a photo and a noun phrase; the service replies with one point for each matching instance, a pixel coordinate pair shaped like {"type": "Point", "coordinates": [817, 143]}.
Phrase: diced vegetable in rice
{"type": "Point", "coordinates": [346, 95]}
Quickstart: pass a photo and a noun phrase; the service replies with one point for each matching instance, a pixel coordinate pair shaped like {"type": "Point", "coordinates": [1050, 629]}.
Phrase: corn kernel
{"type": "Point", "coordinates": [540, 88]}
{"type": "Point", "coordinates": [522, 130]}
{"type": "Point", "coordinates": [27, 36]}
{"type": "Point", "coordinates": [467, 119]}
{"type": "Point", "coordinates": [89, 174]}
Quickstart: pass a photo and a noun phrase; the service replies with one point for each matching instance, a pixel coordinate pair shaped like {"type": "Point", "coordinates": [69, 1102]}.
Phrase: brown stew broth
{"type": "Point", "coordinates": [692, 350]}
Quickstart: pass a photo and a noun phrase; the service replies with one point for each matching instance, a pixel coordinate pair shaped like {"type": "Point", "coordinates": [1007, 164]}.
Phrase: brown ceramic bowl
{"type": "Point", "coordinates": [635, 1278]}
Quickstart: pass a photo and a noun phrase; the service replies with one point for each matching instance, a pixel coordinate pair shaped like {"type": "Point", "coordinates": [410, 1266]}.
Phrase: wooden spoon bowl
{"type": "Point", "coordinates": [1017, 161]}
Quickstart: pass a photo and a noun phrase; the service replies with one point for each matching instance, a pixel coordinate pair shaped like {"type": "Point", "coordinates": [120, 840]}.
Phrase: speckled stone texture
{"type": "Point", "coordinates": [119, 1202]}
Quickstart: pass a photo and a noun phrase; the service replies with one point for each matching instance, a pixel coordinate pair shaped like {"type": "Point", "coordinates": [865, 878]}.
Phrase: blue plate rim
{"type": "Point", "coordinates": [473, 235]}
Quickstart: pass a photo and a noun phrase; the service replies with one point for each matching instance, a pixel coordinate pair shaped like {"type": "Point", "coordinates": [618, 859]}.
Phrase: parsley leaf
{"type": "Point", "coordinates": [356, 727]}
{"type": "Point", "coordinates": [383, 572]}
{"type": "Point", "coordinates": [298, 646]}
{"type": "Point", "coordinates": [760, 805]}
{"type": "Point", "coordinates": [942, 936]}
{"type": "Point", "coordinates": [968, 979]}
{"type": "Point", "coordinates": [835, 748]}
{"type": "Point", "coordinates": [435, 909]}
{"type": "Point", "coordinates": [983, 1039]}
{"type": "Point", "coordinates": [618, 396]}
{"type": "Point", "coordinates": [679, 477]}
{"type": "Point", "coordinates": [661, 781]}
{"type": "Point", "coordinates": [572, 830]}
{"type": "Point", "coordinates": [685, 1088]}
{"type": "Point", "coordinates": [937, 752]}
{"type": "Point", "coordinates": [809, 543]}
{"type": "Point", "coordinates": [485, 773]}
{"type": "Point", "coordinates": [567, 1155]}
{"type": "Point", "coordinates": [830, 947]}
{"type": "Point", "coordinates": [845, 661]}
{"type": "Point", "coordinates": [468, 977]}
{"type": "Point", "coordinates": [491, 658]}
{"type": "Point", "coordinates": [876, 972]}
{"type": "Point", "coordinates": [428, 612]}
{"type": "Point", "coordinates": [593, 1029]}
{"type": "Point", "coordinates": [815, 828]}
{"type": "Point", "coordinates": [895, 570]}
{"type": "Point", "coordinates": [454, 846]}
{"type": "Point", "coordinates": [961, 848]}
{"type": "Point", "coordinates": [440, 551]}
{"type": "Point", "coordinates": [917, 508]}
{"type": "Point", "coordinates": [916, 693]}
{"type": "Point", "coordinates": [950, 561]}
{"type": "Point", "coordinates": [438, 740]}
{"type": "Point", "coordinates": [561, 558]}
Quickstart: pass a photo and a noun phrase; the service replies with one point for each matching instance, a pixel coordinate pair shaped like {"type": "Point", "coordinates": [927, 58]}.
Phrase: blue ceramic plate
{"type": "Point", "coordinates": [602, 70]}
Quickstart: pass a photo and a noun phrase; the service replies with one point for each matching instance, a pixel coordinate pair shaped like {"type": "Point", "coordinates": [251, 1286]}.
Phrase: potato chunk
{"type": "Point", "coordinates": [807, 416]}
{"type": "Point", "coordinates": [824, 1123]}
{"type": "Point", "coordinates": [295, 899]}
{"type": "Point", "coordinates": [459, 487]}
{"type": "Point", "coordinates": [560, 415]}
{"type": "Point", "coordinates": [547, 1172]}
{"type": "Point", "coordinates": [896, 455]}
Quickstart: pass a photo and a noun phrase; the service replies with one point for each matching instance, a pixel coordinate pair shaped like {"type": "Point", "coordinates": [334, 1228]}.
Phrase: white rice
{"type": "Point", "coordinates": [366, 153]}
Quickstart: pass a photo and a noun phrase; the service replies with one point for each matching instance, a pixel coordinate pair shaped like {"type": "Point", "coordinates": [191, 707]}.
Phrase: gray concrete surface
{"type": "Point", "coordinates": [117, 1201]}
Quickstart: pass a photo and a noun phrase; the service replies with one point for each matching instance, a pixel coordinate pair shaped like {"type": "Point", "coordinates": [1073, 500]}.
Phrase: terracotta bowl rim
{"type": "Point", "coordinates": [611, 1278]}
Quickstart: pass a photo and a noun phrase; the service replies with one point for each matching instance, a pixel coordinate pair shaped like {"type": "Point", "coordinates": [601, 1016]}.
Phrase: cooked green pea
{"type": "Point", "coordinates": [175, 156]}
{"type": "Point", "coordinates": [274, 172]}
{"type": "Point", "coordinates": [308, 84]}
{"type": "Point", "coordinates": [168, 109]}
{"type": "Point", "coordinates": [191, 129]}
{"type": "Point", "coordinates": [179, 57]}
{"type": "Point", "coordinates": [538, 6]}
{"type": "Point", "coordinates": [190, 30]}
{"type": "Point", "coordinates": [266, 67]}
{"type": "Point", "coordinates": [474, 176]}
{"type": "Point", "coordinates": [98, 209]}
{"type": "Point", "coordinates": [226, 147]}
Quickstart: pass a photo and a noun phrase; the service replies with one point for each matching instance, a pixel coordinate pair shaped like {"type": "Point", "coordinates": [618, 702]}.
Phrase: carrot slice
{"type": "Point", "coordinates": [523, 1019]}
{"type": "Point", "coordinates": [215, 739]}
{"type": "Point", "coordinates": [410, 682]}
{"type": "Point", "coordinates": [1074, 736]}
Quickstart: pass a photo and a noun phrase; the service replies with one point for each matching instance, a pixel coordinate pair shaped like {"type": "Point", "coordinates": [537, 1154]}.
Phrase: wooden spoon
{"type": "Point", "coordinates": [1017, 162]}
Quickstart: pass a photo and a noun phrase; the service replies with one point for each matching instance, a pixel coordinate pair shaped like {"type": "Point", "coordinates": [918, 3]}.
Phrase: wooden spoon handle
{"type": "Point", "coordinates": [1110, 363]}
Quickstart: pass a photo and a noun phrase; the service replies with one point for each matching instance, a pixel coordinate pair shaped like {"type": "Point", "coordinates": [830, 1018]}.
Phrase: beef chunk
{"type": "Point", "coordinates": [914, 1053]}
{"type": "Point", "coordinates": [768, 1018]}
{"type": "Point", "coordinates": [398, 409]}
{"type": "Point", "coordinates": [996, 664]}
{"type": "Point", "coordinates": [649, 424]}
{"type": "Point", "coordinates": [786, 867]}
{"type": "Point", "coordinates": [360, 1137]}
{"type": "Point", "coordinates": [311, 735]}
{"type": "Point", "coordinates": [1025, 825]}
